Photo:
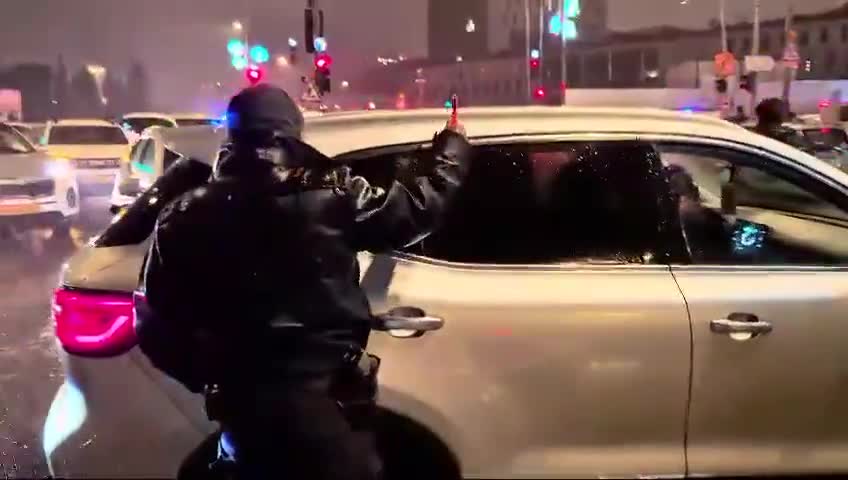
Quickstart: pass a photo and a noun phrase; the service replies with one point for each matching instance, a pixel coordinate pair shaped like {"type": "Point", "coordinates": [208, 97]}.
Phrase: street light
{"type": "Point", "coordinates": [238, 26]}
{"type": "Point", "coordinates": [470, 27]}
{"type": "Point", "coordinates": [292, 43]}
{"type": "Point", "coordinates": [282, 61]}
{"type": "Point", "coordinates": [345, 84]}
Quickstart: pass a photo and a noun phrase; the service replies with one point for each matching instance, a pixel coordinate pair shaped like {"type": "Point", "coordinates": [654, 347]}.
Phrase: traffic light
{"type": "Point", "coordinates": [539, 92]}
{"type": "Point", "coordinates": [746, 82]}
{"type": "Point", "coordinates": [323, 62]}
{"type": "Point", "coordinates": [254, 75]}
{"type": "Point", "coordinates": [721, 85]}
{"type": "Point", "coordinates": [534, 63]}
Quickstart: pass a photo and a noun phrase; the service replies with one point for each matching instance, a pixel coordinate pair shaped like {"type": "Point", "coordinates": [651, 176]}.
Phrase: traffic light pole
{"type": "Point", "coordinates": [563, 54]}
{"type": "Point", "coordinates": [755, 50]}
{"type": "Point", "coordinates": [529, 87]}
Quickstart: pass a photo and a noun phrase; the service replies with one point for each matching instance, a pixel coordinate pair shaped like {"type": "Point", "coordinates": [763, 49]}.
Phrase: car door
{"type": "Point", "coordinates": [767, 292]}
{"type": "Point", "coordinates": [565, 346]}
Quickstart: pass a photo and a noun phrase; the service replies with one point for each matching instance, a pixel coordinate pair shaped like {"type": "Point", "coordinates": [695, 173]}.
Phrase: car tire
{"type": "Point", "coordinates": [411, 451]}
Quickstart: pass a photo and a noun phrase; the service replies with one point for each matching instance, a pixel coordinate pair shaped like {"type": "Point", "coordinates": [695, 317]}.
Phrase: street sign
{"type": "Point", "coordinates": [725, 65]}
{"type": "Point", "coordinates": [759, 63]}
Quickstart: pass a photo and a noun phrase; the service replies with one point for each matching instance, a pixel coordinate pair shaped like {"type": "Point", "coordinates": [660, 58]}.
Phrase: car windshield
{"type": "Point", "coordinates": [86, 135]}
{"type": "Point", "coordinates": [11, 141]}
{"type": "Point", "coordinates": [627, 258]}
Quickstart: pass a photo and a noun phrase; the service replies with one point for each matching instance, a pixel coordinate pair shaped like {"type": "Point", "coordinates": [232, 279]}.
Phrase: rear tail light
{"type": "Point", "coordinates": [94, 324]}
{"type": "Point", "coordinates": [824, 104]}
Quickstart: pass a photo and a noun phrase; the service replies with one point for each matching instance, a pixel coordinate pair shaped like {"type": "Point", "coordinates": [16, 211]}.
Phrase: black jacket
{"type": "Point", "coordinates": [269, 242]}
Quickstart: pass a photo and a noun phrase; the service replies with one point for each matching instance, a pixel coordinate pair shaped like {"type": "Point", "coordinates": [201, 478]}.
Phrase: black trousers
{"type": "Point", "coordinates": [290, 433]}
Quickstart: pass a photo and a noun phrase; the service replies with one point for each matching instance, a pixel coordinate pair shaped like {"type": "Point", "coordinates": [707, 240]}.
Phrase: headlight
{"type": "Point", "coordinates": [59, 167]}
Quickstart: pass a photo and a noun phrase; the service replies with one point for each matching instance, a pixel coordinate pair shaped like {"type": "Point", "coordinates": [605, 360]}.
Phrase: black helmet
{"type": "Point", "coordinates": [259, 114]}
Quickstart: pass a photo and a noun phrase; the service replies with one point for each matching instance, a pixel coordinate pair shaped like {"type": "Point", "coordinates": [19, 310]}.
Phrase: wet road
{"type": "Point", "coordinates": [30, 371]}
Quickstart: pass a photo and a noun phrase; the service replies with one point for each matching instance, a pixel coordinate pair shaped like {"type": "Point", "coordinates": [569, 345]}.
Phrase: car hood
{"type": "Point", "coordinates": [24, 165]}
{"type": "Point", "coordinates": [89, 151]}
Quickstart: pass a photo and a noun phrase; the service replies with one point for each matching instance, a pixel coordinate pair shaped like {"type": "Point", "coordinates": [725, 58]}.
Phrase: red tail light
{"type": "Point", "coordinates": [824, 104]}
{"type": "Point", "coordinates": [94, 324]}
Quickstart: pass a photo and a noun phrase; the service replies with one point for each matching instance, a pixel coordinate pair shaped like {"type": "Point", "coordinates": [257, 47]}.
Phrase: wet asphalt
{"type": "Point", "coordinates": [30, 372]}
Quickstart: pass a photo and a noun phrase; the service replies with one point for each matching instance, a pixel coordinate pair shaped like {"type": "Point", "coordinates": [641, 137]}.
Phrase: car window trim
{"type": "Point", "coordinates": [531, 267]}
{"type": "Point", "coordinates": [613, 136]}
{"type": "Point", "coordinates": [785, 162]}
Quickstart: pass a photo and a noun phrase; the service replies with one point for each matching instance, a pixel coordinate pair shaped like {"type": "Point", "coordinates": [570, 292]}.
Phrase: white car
{"type": "Point", "coordinates": [626, 293]}
{"type": "Point", "coordinates": [134, 124]}
{"type": "Point", "coordinates": [36, 189]}
{"type": "Point", "coordinates": [155, 151]}
{"type": "Point", "coordinates": [95, 147]}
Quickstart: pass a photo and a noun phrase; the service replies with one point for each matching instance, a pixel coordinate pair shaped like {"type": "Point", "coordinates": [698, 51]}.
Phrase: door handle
{"type": "Point", "coordinates": [731, 325]}
{"type": "Point", "coordinates": [424, 323]}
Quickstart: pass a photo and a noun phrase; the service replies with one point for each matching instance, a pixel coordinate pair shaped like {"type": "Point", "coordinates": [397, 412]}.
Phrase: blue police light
{"type": "Point", "coordinates": [259, 54]}
{"type": "Point", "coordinates": [320, 44]}
{"type": "Point", "coordinates": [534, 54]}
{"type": "Point", "coordinates": [236, 47]}
{"type": "Point", "coordinates": [239, 63]}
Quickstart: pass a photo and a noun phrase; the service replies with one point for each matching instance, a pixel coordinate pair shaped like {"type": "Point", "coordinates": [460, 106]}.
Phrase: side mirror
{"type": "Point", "coordinates": [407, 322]}
{"type": "Point", "coordinates": [130, 187]}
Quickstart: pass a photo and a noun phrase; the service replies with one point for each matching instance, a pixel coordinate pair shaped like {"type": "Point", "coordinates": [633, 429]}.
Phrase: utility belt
{"type": "Point", "coordinates": [353, 385]}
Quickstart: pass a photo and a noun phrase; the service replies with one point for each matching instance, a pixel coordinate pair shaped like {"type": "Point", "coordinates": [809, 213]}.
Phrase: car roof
{"type": "Point", "coordinates": [169, 116]}
{"type": "Point", "coordinates": [146, 115]}
{"type": "Point", "coordinates": [336, 134]}
{"type": "Point", "coordinates": [83, 122]}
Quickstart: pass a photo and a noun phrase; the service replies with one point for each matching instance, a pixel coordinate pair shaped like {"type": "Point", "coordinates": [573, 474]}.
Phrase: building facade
{"type": "Point", "coordinates": [662, 57]}
{"type": "Point", "coordinates": [457, 29]}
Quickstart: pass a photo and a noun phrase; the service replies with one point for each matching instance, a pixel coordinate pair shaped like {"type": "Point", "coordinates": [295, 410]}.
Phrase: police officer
{"type": "Point", "coordinates": [252, 285]}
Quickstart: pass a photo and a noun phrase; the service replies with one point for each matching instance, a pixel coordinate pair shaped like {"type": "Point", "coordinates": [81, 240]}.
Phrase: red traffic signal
{"type": "Point", "coordinates": [254, 75]}
{"type": "Point", "coordinates": [534, 63]}
{"type": "Point", "coordinates": [539, 92]}
{"type": "Point", "coordinates": [323, 61]}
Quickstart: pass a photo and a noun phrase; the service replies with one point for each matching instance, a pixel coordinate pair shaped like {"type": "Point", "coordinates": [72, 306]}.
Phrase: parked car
{"type": "Point", "coordinates": [135, 123]}
{"type": "Point", "coordinates": [36, 189]}
{"type": "Point", "coordinates": [33, 131]}
{"type": "Point", "coordinates": [625, 293]}
{"type": "Point", "coordinates": [95, 147]}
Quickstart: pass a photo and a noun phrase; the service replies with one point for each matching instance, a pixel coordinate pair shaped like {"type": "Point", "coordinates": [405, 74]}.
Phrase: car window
{"type": "Point", "coordinates": [193, 122]}
{"type": "Point", "coordinates": [739, 209]}
{"type": "Point", "coordinates": [145, 156]}
{"type": "Point", "coordinates": [529, 204]}
{"type": "Point", "coordinates": [138, 125]}
{"type": "Point", "coordinates": [86, 135]}
{"type": "Point", "coordinates": [11, 141]}
{"type": "Point", "coordinates": [170, 158]}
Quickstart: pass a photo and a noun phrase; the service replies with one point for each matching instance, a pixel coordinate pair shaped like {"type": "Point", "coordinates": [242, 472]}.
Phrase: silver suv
{"type": "Point", "coordinates": [624, 292]}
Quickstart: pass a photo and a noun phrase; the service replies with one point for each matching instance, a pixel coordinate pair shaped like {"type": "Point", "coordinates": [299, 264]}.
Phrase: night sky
{"type": "Point", "coordinates": [182, 42]}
